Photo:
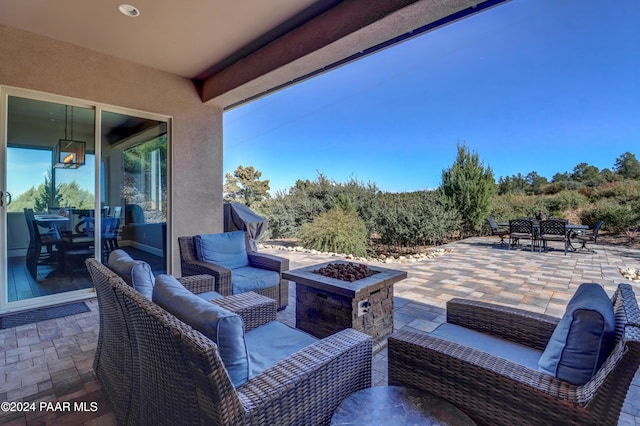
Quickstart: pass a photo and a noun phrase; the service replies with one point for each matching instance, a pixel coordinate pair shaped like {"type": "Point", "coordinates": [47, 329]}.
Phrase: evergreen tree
{"type": "Point", "coordinates": [628, 166]}
{"type": "Point", "coordinates": [468, 187]}
{"type": "Point", "coordinates": [583, 172]}
{"type": "Point", "coordinates": [245, 186]}
{"type": "Point", "coordinates": [45, 195]}
{"type": "Point", "coordinates": [71, 195]}
{"type": "Point", "coordinates": [536, 182]}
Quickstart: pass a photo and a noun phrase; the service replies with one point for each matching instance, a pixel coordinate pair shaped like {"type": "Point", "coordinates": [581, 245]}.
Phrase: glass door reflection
{"type": "Point", "coordinates": [133, 182]}
{"type": "Point", "coordinates": [42, 248]}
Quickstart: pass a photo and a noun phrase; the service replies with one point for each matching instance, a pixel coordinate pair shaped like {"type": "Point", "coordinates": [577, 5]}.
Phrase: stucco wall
{"type": "Point", "coordinates": [33, 62]}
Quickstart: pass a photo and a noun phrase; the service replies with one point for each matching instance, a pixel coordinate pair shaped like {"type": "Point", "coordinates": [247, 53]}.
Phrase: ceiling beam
{"type": "Point", "coordinates": [346, 32]}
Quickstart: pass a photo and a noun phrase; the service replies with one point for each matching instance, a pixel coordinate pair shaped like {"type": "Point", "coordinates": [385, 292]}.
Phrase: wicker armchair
{"type": "Point", "coordinates": [190, 265]}
{"type": "Point", "coordinates": [182, 379]}
{"type": "Point", "coordinates": [116, 363]}
{"type": "Point", "coordinates": [495, 391]}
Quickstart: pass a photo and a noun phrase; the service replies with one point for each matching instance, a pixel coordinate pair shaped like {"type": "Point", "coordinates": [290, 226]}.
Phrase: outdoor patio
{"type": "Point", "coordinates": [52, 360]}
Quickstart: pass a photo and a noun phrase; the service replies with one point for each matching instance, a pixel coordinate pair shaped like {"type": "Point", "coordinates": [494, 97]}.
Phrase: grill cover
{"type": "Point", "coordinates": [238, 217]}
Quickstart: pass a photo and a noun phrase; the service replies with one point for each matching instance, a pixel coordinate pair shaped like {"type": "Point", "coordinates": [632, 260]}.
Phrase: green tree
{"type": "Point", "coordinates": [609, 176]}
{"type": "Point", "coordinates": [468, 187]}
{"type": "Point", "coordinates": [44, 199]}
{"type": "Point", "coordinates": [245, 186]}
{"type": "Point", "coordinates": [26, 200]}
{"type": "Point", "coordinates": [536, 182]}
{"type": "Point", "coordinates": [628, 166]}
{"type": "Point", "coordinates": [39, 198]}
{"type": "Point", "coordinates": [561, 177]}
{"type": "Point", "coordinates": [583, 172]}
{"type": "Point", "coordinates": [71, 195]}
{"type": "Point", "coordinates": [511, 184]}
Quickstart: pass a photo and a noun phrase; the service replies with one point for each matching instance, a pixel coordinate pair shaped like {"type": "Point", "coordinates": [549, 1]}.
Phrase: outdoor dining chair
{"type": "Point", "coordinates": [553, 230]}
{"type": "Point", "coordinates": [496, 230]}
{"type": "Point", "coordinates": [521, 229]}
{"type": "Point", "coordinates": [589, 237]}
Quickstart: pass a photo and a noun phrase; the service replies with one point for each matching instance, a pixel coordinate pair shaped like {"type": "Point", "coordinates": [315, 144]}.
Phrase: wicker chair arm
{"type": "Point", "coordinates": [477, 382]}
{"type": "Point", "coordinates": [198, 283]}
{"type": "Point", "coordinates": [306, 387]}
{"type": "Point", "coordinates": [222, 275]}
{"type": "Point", "coordinates": [421, 352]}
{"type": "Point", "coordinates": [254, 309]}
{"type": "Point", "coordinates": [516, 325]}
{"type": "Point", "coordinates": [268, 261]}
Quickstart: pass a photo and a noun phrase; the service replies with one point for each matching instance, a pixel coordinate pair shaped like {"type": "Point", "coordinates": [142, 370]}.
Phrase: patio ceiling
{"type": "Point", "coordinates": [235, 51]}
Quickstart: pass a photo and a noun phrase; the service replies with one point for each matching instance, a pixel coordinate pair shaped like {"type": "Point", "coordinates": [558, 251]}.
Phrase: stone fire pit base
{"type": "Point", "coordinates": [325, 306]}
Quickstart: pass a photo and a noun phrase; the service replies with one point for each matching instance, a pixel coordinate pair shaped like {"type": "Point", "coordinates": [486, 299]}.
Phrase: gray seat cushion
{"type": "Point", "coordinates": [583, 338]}
{"type": "Point", "coordinates": [520, 235]}
{"type": "Point", "coordinates": [511, 351]}
{"type": "Point", "coordinates": [271, 343]}
{"type": "Point", "coordinates": [223, 327]}
{"type": "Point", "coordinates": [251, 279]}
{"type": "Point", "coordinates": [136, 273]}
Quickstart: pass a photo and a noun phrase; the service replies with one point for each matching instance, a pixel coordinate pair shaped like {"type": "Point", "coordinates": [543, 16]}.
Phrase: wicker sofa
{"type": "Point", "coordinates": [496, 391]}
{"type": "Point", "coordinates": [191, 265]}
{"type": "Point", "coordinates": [156, 369]}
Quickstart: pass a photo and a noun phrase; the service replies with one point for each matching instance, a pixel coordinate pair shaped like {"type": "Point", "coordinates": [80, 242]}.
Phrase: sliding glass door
{"type": "Point", "coordinates": [79, 180]}
{"type": "Point", "coordinates": [134, 186]}
{"type": "Point", "coordinates": [49, 185]}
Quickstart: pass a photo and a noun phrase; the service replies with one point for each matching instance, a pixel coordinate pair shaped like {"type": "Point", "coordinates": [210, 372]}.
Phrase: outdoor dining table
{"type": "Point", "coordinates": [570, 227]}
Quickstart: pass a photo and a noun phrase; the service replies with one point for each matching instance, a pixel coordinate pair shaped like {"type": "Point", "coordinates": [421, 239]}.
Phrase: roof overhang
{"type": "Point", "coordinates": [348, 31]}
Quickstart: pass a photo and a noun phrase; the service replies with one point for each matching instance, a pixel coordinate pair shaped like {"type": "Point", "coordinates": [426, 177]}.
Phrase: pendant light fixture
{"type": "Point", "coordinates": [68, 153]}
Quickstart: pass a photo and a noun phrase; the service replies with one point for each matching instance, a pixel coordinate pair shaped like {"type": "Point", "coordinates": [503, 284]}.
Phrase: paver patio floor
{"type": "Point", "coordinates": [476, 268]}
{"type": "Point", "coordinates": [52, 360]}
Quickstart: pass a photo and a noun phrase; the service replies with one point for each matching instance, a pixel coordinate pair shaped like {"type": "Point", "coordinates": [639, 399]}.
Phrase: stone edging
{"type": "Point", "coordinates": [630, 273]}
{"type": "Point", "coordinates": [430, 254]}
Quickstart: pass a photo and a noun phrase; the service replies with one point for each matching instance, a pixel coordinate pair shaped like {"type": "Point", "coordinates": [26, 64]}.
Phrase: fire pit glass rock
{"type": "Point", "coordinates": [345, 271]}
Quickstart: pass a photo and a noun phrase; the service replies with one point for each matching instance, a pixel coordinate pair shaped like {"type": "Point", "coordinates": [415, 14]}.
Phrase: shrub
{"type": "Point", "coordinates": [565, 185]}
{"type": "Point", "coordinates": [565, 200]}
{"type": "Point", "coordinates": [511, 206]}
{"type": "Point", "coordinates": [617, 217]}
{"type": "Point", "coordinates": [623, 191]}
{"type": "Point", "coordinates": [336, 231]}
{"type": "Point", "coordinates": [413, 219]}
{"type": "Point", "coordinates": [291, 209]}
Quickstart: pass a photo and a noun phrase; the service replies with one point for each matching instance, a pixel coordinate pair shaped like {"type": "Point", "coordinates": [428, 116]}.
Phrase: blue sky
{"type": "Point", "coordinates": [27, 168]}
{"type": "Point", "coordinates": [531, 85]}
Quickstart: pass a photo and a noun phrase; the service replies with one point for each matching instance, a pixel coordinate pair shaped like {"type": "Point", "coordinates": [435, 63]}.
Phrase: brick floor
{"type": "Point", "coordinates": [50, 361]}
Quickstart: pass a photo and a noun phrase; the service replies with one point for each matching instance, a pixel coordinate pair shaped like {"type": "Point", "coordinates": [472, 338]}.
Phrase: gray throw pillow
{"type": "Point", "coordinates": [582, 339]}
{"type": "Point", "coordinates": [136, 273]}
{"type": "Point", "coordinates": [223, 327]}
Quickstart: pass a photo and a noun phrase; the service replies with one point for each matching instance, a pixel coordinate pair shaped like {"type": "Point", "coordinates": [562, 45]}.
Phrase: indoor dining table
{"type": "Point", "coordinates": [55, 223]}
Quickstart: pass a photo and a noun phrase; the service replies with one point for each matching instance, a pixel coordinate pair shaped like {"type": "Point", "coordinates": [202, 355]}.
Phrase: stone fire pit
{"type": "Point", "coordinates": [327, 305]}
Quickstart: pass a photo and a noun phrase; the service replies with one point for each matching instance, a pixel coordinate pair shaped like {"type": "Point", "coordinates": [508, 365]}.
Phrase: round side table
{"type": "Point", "coordinates": [395, 405]}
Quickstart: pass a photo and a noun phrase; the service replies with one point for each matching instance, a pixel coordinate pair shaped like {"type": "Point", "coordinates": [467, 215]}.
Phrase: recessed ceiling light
{"type": "Point", "coordinates": [129, 10]}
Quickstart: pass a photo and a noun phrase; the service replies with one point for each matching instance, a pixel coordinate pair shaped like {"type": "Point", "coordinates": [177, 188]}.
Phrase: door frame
{"type": "Point", "coordinates": [98, 108]}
